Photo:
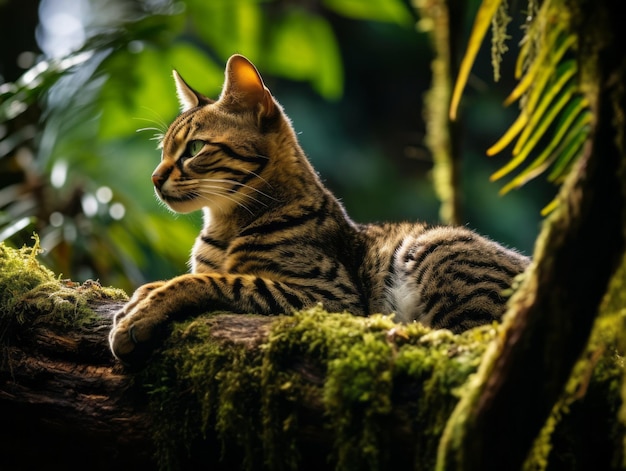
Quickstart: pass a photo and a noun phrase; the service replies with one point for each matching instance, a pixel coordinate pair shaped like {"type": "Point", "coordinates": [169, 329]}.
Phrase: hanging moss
{"type": "Point", "coordinates": [499, 37]}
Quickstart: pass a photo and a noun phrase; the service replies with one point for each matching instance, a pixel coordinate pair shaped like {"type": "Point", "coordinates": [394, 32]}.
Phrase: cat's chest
{"type": "Point", "coordinates": [208, 254]}
{"type": "Point", "coordinates": [238, 255]}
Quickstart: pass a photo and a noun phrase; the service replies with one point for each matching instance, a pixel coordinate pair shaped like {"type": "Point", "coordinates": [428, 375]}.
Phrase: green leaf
{"type": "Point", "coordinates": [574, 117]}
{"type": "Point", "coordinates": [304, 47]}
{"type": "Point", "coordinates": [565, 71]}
{"type": "Point", "coordinates": [547, 75]}
{"type": "Point", "coordinates": [551, 53]}
{"type": "Point", "coordinates": [482, 22]}
{"type": "Point", "coordinates": [538, 128]}
{"type": "Point", "coordinates": [536, 115]}
{"type": "Point", "coordinates": [228, 26]}
{"type": "Point", "coordinates": [571, 147]}
{"type": "Point", "coordinates": [574, 120]}
{"type": "Point", "coordinates": [140, 94]}
{"type": "Point", "coordinates": [517, 127]}
{"type": "Point", "coordinates": [392, 11]}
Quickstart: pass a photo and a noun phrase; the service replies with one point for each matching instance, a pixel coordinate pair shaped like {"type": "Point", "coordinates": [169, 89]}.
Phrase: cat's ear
{"type": "Point", "coordinates": [187, 96]}
{"type": "Point", "coordinates": [244, 87]}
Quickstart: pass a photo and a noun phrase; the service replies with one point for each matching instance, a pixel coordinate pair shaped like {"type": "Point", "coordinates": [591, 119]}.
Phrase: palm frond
{"type": "Point", "coordinates": [554, 115]}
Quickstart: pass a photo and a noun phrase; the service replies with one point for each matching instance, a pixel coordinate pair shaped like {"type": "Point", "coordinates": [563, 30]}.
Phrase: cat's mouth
{"type": "Point", "coordinates": [185, 203]}
{"type": "Point", "coordinates": [175, 199]}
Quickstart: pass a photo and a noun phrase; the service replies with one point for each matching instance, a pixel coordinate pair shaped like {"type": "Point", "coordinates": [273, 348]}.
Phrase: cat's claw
{"type": "Point", "coordinates": [128, 349]}
{"type": "Point", "coordinates": [131, 334]}
{"type": "Point", "coordinates": [132, 341]}
{"type": "Point", "coordinates": [123, 343]}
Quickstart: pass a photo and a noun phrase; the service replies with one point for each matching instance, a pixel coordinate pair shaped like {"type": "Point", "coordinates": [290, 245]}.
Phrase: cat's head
{"type": "Point", "coordinates": [213, 154]}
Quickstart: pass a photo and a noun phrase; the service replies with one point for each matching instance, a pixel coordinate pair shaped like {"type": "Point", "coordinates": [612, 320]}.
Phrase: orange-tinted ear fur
{"type": "Point", "coordinates": [187, 96]}
{"type": "Point", "coordinates": [244, 87]}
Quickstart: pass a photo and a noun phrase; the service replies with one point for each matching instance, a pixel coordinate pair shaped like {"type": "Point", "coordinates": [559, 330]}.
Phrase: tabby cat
{"type": "Point", "coordinates": [275, 240]}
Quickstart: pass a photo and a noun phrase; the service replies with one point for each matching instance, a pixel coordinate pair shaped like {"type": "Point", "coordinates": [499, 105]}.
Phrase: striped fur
{"type": "Point", "coordinates": [276, 240]}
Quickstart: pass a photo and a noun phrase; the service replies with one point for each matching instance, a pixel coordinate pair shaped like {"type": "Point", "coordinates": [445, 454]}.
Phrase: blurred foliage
{"type": "Point", "coordinates": [76, 148]}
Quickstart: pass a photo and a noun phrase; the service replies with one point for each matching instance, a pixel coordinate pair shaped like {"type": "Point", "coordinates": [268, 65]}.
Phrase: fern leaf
{"type": "Point", "coordinates": [551, 206]}
{"type": "Point", "coordinates": [547, 52]}
{"type": "Point", "coordinates": [571, 148]}
{"type": "Point", "coordinates": [575, 117]}
{"type": "Point", "coordinates": [565, 71]}
{"type": "Point", "coordinates": [546, 101]}
{"type": "Point", "coordinates": [509, 135]}
{"type": "Point", "coordinates": [554, 118]}
{"type": "Point", "coordinates": [547, 75]}
{"type": "Point", "coordinates": [486, 12]}
{"type": "Point", "coordinates": [543, 122]}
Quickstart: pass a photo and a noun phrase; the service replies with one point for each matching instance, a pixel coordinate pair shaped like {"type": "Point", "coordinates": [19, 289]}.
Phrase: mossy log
{"type": "Point", "coordinates": [314, 390]}
{"type": "Point", "coordinates": [65, 404]}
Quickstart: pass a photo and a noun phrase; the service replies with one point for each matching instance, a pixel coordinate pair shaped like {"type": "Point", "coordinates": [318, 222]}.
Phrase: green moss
{"type": "Point", "coordinates": [20, 272]}
{"type": "Point", "coordinates": [499, 37]}
{"type": "Point", "coordinates": [582, 431]}
{"type": "Point", "coordinates": [198, 388]}
{"type": "Point", "coordinates": [31, 294]}
{"type": "Point", "coordinates": [365, 379]}
{"type": "Point", "coordinates": [370, 374]}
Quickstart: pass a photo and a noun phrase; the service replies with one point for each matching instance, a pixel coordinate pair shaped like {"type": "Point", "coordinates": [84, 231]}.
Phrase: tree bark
{"type": "Point", "coordinates": [66, 404]}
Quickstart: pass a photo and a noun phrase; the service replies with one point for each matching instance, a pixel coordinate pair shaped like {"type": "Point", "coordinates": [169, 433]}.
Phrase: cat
{"type": "Point", "coordinates": [275, 240]}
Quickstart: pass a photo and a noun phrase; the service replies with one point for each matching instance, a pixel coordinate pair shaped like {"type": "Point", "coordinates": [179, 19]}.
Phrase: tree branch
{"type": "Point", "coordinates": [309, 391]}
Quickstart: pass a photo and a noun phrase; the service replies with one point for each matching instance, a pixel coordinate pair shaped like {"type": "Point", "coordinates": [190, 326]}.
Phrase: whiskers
{"type": "Point", "coordinates": [157, 136]}
{"type": "Point", "coordinates": [260, 177]}
{"type": "Point", "coordinates": [241, 185]}
{"type": "Point", "coordinates": [206, 188]}
{"type": "Point", "coordinates": [159, 128]}
{"type": "Point", "coordinates": [206, 194]}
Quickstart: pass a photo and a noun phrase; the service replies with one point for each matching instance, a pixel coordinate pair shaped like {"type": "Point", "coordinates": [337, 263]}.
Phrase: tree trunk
{"type": "Point", "coordinates": [577, 253]}
{"type": "Point", "coordinates": [67, 404]}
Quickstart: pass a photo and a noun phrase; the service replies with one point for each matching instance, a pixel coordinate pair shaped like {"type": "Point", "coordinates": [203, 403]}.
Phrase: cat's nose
{"type": "Point", "coordinates": [161, 174]}
{"type": "Point", "coordinates": [158, 180]}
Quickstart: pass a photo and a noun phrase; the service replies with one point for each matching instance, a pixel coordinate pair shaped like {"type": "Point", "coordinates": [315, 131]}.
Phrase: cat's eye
{"type": "Point", "coordinates": [193, 147]}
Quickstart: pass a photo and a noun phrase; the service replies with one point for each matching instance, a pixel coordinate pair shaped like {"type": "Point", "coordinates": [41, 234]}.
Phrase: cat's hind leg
{"type": "Point", "coordinates": [453, 278]}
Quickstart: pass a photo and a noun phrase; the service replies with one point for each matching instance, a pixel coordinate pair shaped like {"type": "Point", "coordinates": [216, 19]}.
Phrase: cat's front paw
{"type": "Point", "coordinates": [132, 341]}
{"type": "Point", "coordinates": [137, 328]}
